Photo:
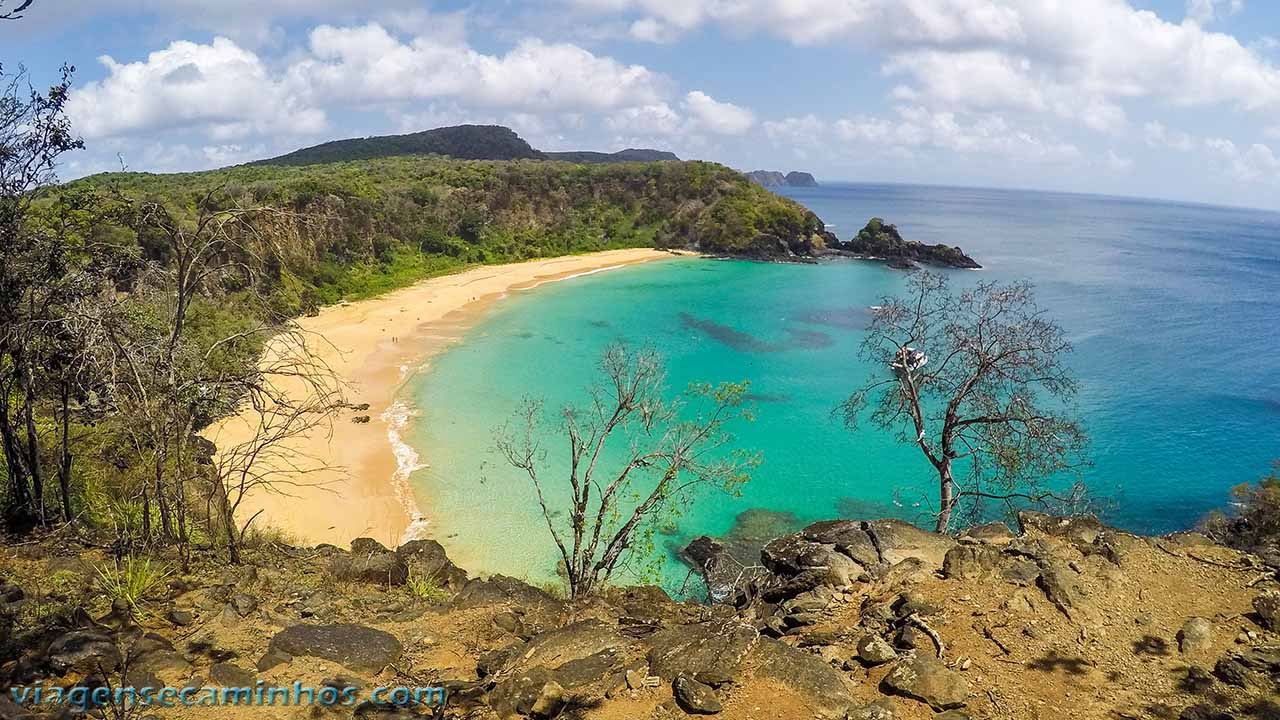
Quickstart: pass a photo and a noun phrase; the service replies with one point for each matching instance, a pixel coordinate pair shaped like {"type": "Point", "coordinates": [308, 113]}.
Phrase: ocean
{"type": "Point", "coordinates": [1173, 310]}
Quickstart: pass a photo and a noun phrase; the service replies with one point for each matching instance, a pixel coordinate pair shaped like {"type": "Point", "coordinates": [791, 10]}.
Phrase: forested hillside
{"type": "Point", "coordinates": [376, 224]}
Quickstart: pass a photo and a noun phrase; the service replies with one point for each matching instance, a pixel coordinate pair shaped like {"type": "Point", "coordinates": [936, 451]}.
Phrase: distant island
{"type": "Point", "coordinates": [773, 178]}
{"type": "Point", "coordinates": [461, 142]}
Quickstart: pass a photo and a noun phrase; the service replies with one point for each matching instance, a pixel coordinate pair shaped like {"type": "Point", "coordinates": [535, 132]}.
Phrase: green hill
{"type": "Point", "coordinates": [390, 221]}
{"type": "Point", "coordinates": [464, 142]}
{"type": "Point", "coordinates": [461, 142]}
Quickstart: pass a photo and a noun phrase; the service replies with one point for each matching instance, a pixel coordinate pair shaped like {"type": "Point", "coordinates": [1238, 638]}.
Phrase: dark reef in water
{"type": "Point", "coordinates": [797, 339]}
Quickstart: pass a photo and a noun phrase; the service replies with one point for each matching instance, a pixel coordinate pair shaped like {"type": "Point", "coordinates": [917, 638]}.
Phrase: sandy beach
{"type": "Point", "coordinates": [372, 347]}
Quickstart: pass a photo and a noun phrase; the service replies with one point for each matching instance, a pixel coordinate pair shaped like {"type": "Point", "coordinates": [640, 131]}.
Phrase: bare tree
{"type": "Point", "coordinates": [633, 458]}
{"type": "Point", "coordinates": [963, 376]}
{"type": "Point", "coordinates": [291, 395]}
{"type": "Point", "coordinates": [15, 13]}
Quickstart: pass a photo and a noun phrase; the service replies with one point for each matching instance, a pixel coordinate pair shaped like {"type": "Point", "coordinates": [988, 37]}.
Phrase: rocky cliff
{"type": "Point", "coordinates": [1065, 618]}
{"type": "Point", "coordinates": [773, 178]}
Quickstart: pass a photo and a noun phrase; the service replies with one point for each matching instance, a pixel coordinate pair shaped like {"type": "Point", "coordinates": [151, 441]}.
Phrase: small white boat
{"type": "Point", "coordinates": [909, 359]}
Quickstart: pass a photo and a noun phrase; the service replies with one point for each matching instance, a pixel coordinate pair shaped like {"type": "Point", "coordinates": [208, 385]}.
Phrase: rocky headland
{"type": "Point", "coordinates": [882, 241]}
{"type": "Point", "coordinates": [844, 619]}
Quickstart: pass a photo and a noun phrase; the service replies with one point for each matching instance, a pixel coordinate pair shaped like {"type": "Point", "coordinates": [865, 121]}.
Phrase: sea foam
{"type": "Point", "coordinates": [407, 461]}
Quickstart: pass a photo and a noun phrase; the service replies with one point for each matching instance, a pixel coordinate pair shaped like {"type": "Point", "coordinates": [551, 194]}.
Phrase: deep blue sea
{"type": "Point", "coordinates": [1173, 309]}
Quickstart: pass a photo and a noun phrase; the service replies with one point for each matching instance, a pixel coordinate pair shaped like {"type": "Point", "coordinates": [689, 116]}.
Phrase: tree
{"type": "Point", "coordinates": [15, 13]}
{"type": "Point", "coordinates": [34, 134]}
{"type": "Point", "coordinates": [977, 380]}
{"type": "Point", "coordinates": [1253, 523]}
{"type": "Point", "coordinates": [633, 458]}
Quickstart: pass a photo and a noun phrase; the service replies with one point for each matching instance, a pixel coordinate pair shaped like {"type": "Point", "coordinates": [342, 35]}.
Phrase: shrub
{"type": "Point", "coordinates": [1253, 523]}
{"type": "Point", "coordinates": [131, 582]}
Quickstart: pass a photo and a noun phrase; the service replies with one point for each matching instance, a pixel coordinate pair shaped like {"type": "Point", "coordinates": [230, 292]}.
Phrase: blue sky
{"type": "Point", "coordinates": [1173, 99]}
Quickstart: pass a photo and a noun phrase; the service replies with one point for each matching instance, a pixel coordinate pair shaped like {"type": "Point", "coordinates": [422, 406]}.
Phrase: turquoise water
{"type": "Point", "coordinates": [1173, 310]}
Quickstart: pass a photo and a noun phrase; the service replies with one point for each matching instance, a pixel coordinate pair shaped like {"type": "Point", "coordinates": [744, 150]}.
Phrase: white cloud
{"type": "Point", "coordinates": [1117, 163]}
{"type": "Point", "coordinates": [1159, 136]}
{"type": "Point", "coordinates": [368, 63]}
{"type": "Point", "coordinates": [919, 127]}
{"type": "Point", "coordinates": [796, 131]}
{"type": "Point", "coordinates": [652, 30]}
{"type": "Point", "coordinates": [1257, 162]}
{"type": "Point", "coordinates": [718, 117]}
{"type": "Point", "coordinates": [220, 87]}
{"type": "Point", "coordinates": [655, 119]}
{"type": "Point", "coordinates": [1206, 11]}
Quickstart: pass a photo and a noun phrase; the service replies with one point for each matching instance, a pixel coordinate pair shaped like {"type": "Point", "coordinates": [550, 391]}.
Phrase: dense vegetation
{"type": "Point", "coordinates": [628, 155]}
{"type": "Point", "coordinates": [381, 223]}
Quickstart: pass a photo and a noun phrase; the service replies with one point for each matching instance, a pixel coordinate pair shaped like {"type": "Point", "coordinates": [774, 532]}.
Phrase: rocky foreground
{"type": "Point", "coordinates": [846, 619]}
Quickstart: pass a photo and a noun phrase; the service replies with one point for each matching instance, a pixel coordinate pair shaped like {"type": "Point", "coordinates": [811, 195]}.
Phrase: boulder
{"type": "Point", "coordinates": [714, 646]}
{"type": "Point", "coordinates": [369, 562]}
{"type": "Point", "coordinates": [971, 561]}
{"type": "Point", "coordinates": [575, 641]}
{"type": "Point", "coordinates": [1267, 605]}
{"type": "Point", "coordinates": [1081, 529]}
{"type": "Point", "coordinates": [228, 675]}
{"type": "Point", "coordinates": [533, 693]}
{"type": "Point", "coordinates": [356, 647]}
{"type": "Point", "coordinates": [83, 651]}
{"type": "Point", "coordinates": [875, 650]}
{"type": "Point", "coordinates": [181, 618]}
{"type": "Point", "coordinates": [898, 540]}
{"type": "Point", "coordinates": [847, 536]}
{"type": "Point", "coordinates": [1059, 585]}
{"type": "Point", "coordinates": [1196, 636]}
{"type": "Point", "coordinates": [926, 679]}
{"type": "Point", "coordinates": [822, 688]}
{"type": "Point", "coordinates": [428, 559]}
{"type": "Point", "coordinates": [694, 697]}
{"type": "Point", "coordinates": [993, 533]}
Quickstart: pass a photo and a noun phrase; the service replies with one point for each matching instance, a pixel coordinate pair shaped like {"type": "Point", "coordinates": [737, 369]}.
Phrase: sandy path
{"type": "Point", "coordinates": [371, 345]}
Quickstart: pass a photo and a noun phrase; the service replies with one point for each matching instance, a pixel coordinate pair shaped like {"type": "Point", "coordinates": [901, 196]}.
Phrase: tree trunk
{"type": "Point", "coordinates": [946, 501]}
{"type": "Point", "coordinates": [64, 467]}
{"type": "Point", "coordinates": [13, 456]}
{"type": "Point", "coordinates": [33, 449]}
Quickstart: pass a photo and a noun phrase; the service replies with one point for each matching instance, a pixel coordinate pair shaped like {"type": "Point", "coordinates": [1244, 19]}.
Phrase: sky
{"type": "Point", "coordinates": [1173, 99]}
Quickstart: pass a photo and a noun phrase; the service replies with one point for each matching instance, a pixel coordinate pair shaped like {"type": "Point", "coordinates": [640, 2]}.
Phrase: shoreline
{"type": "Point", "coordinates": [359, 485]}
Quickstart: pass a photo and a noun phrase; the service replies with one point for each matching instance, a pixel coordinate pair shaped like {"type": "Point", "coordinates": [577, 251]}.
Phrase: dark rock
{"type": "Point", "coordinates": [820, 686]}
{"type": "Point", "coordinates": [10, 594]}
{"type": "Point", "coordinates": [926, 679]}
{"type": "Point", "coordinates": [83, 651]}
{"type": "Point", "coordinates": [500, 589]}
{"type": "Point", "coordinates": [356, 647]}
{"type": "Point", "coordinates": [848, 537]}
{"type": "Point", "coordinates": [229, 675]}
{"type": "Point", "coordinates": [494, 660]}
{"type": "Point", "coordinates": [580, 673]}
{"type": "Point", "coordinates": [576, 641]}
{"type": "Point", "coordinates": [369, 562]}
{"type": "Point", "coordinates": [881, 240]}
{"type": "Point", "coordinates": [532, 693]}
{"type": "Point", "coordinates": [1021, 572]}
{"type": "Point", "coordinates": [243, 604]}
{"type": "Point", "coordinates": [874, 650]}
{"type": "Point", "coordinates": [695, 698]}
{"type": "Point", "coordinates": [427, 559]}
{"type": "Point", "coordinates": [272, 658]}
{"type": "Point", "coordinates": [169, 667]}
{"type": "Point", "coordinates": [793, 555]}
{"type": "Point", "coordinates": [181, 618]}
{"type": "Point", "coordinates": [715, 646]}
{"type": "Point", "coordinates": [720, 571]}
{"type": "Point", "coordinates": [909, 637]}
{"type": "Point", "coordinates": [953, 715]}
{"type": "Point", "coordinates": [1267, 605]}
{"type": "Point", "coordinates": [795, 178]}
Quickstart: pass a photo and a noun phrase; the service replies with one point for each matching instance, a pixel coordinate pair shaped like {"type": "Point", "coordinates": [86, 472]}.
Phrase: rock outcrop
{"type": "Point", "coordinates": [773, 178]}
{"type": "Point", "coordinates": [882, 241]}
